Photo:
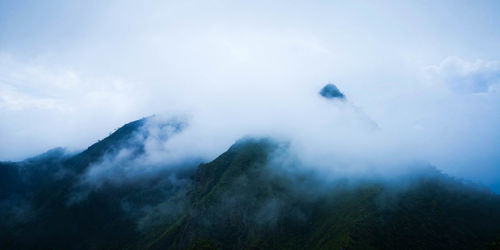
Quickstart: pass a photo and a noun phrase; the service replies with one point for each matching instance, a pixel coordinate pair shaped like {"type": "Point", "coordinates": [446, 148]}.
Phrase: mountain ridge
{"type": "Point", "coordinates": [244, 198]}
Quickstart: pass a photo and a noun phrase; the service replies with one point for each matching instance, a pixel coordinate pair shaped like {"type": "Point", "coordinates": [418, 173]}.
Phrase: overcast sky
{"type": "Point", "coordinates": [427, 73]}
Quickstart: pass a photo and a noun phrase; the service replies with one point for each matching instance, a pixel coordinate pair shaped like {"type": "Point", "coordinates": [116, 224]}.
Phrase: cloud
{"type": "Point", "coordinates": [381, 128]}
{"type": "Point", "coordinates": [44, 104]}
{"type": "Point", "coordinates": [254, 69]}
{"type": "Point", "coordinates": [467, 76]}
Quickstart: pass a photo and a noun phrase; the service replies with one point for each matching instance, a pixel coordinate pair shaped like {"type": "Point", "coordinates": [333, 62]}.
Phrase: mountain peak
{"type": "Point", "coordinates": [330, 91]}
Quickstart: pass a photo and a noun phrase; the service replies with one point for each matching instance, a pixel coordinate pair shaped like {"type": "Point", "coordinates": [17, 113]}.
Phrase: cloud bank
{"type": "Point", "coordinates": [466, 76]}
{"type": "Point", "coordinates": [256, 69]}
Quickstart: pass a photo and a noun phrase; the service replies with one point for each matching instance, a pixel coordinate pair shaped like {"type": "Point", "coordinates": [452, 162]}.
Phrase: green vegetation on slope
{"type": "Point", "coordinates": [247, 198]}
{"type": "Point", "coordinates": [239, 201]}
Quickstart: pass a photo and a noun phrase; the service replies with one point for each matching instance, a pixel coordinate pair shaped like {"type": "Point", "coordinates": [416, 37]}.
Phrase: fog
{"type": "Point", "coordinates": [421, 80]}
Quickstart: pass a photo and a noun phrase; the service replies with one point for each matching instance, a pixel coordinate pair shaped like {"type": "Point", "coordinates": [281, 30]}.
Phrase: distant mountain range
{"type": "Point", "coordinates": [244, 199]}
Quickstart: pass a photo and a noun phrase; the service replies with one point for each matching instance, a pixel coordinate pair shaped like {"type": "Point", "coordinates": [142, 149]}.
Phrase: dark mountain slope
{"type": "Point", "coordinates": [239, 201]}
{"type": "Point", "coordinates": [47, 206]}
{"type": "Point", "coordinates": [34, 173]}
{"type": "Point", "coordinates": [121, 138]}
{"type": "Point", "coordinates": [252, 196]}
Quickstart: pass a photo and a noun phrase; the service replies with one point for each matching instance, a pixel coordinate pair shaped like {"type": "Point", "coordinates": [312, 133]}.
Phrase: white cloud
{"type": "Point", "coordinates": [467, 76]}
{"type": "Point", "coordinates": [52, 106]}
{"type": "Point", "coordinates": [255, 68]}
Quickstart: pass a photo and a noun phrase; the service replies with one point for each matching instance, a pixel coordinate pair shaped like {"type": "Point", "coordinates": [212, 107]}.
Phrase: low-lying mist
{"type": "Point", "coordinates": [333, 135]}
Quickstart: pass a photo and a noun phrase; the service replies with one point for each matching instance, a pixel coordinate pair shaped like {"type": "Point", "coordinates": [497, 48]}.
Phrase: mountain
{"type": "Point", "coordinates": [330, 91]}
{"type": "Point", "coordinates": [47, 203]}
{"type": "Point", "coordinates": [254, 195]}
{"type": "Point", "coordinates": [239, 202]}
